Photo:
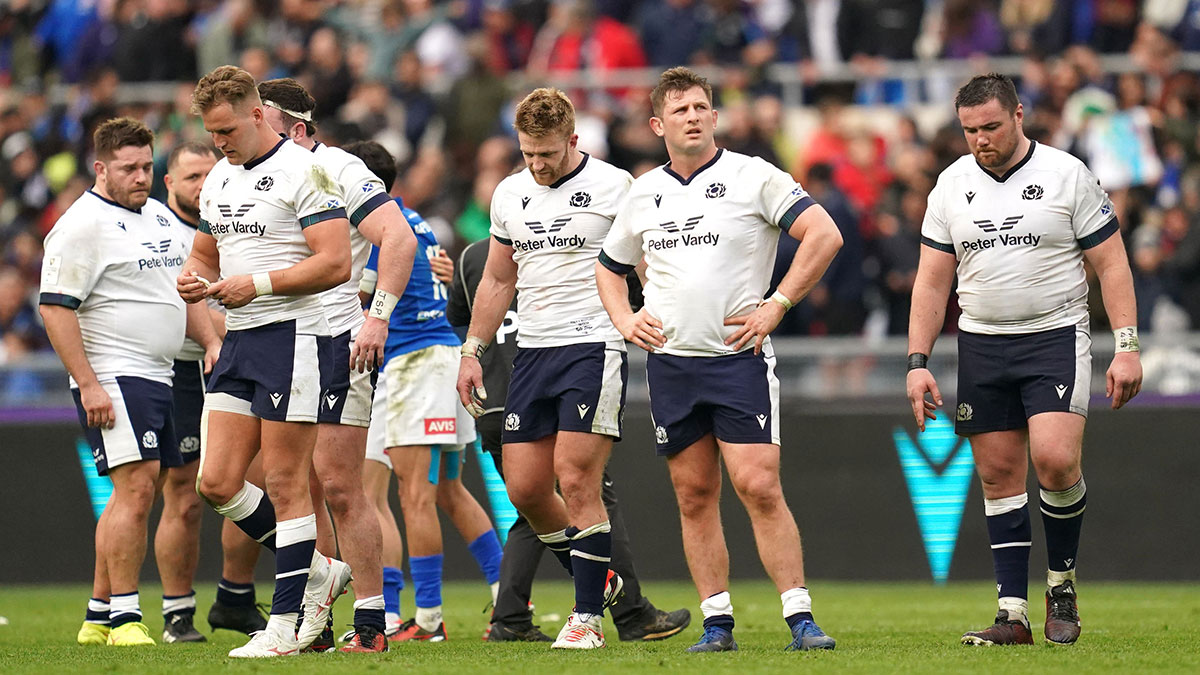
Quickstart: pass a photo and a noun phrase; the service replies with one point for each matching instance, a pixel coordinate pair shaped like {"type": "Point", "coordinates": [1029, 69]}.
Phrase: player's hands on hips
{"type": "Point", "coordinates": [920, 382]}
{"type": "Point", "coordinates": [442, 267]}
{"type": "Point", "coordinates": [236, 291]}
{"type": "Point", "coordinates": [756, 325]}
{"type": "Point", "coordinates": [642, 329]}
{"type": "Point", "coordinates": [192, 288]}
{"type": "Point", "coordinates": [98, 406]}
{"type": "Point", "coordinates": [367, 353]}
{"type": "Point", "coordinates": [1124, 378]}
{"type": "Point", "coordinates": [470, 386]}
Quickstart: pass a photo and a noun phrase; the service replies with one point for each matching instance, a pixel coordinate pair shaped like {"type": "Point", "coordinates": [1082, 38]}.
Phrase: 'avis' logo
{"type": "Point", "coordinates": [439, 425]}
{"type": "Point", "coordinates": [688, 225]}
{"type": "Point", "coordinates": [160, 247]}
{"type": "Point", "coordinates": [228, 211]}
{"type": "Point", "coordinates": [537, 227]}
{"type": "Point", "coordinates": [989, 226]}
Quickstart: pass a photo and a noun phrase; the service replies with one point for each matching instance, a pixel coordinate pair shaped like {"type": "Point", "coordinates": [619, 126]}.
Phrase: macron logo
{"type": "Point", "coordinates": [275, 399]}
{"type": "Point", "coordinates": [440, 425]}
{"type": "Point", "coordinates": [331, 401]}
{"type": "Point", "coordinates": [1061, 389]}
{"type": "Point", "coordinates": [582, 410]}
{"type": "Point", "coordinates": [762, 421]}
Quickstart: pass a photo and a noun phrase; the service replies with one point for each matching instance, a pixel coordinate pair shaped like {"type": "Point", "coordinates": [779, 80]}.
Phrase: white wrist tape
{"type": "Point", "coordinates": [1127, 339]}
{"type": "Point", "coordinates": [473, 347]}
{"type": "Point", "coordinates": [782, 299]}
{"type": "Point", "coordinates": [262, 284]}
{"type": "Point", "coordinates": [382, 305]}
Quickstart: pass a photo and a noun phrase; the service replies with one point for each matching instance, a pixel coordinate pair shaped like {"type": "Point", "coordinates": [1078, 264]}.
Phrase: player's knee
{"type": "Point", "coordinates": [414, 495]}
{"type": "Point", "coordinates": [215, 490]}
{"type": "Point", "coordinates": [695, 500]}
{"type": "Point", "coordinates": [759, 491]}
{"type": "Point", "coordinates": [526, 496]}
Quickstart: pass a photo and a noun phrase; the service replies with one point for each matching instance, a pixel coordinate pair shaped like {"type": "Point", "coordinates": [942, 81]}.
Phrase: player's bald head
{"type": "Point", "coordinates": [226, 84]}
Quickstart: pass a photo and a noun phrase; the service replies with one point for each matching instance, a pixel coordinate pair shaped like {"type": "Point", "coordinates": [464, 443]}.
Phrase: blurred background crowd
{"type": "Point", "coordinates": [853, 97]}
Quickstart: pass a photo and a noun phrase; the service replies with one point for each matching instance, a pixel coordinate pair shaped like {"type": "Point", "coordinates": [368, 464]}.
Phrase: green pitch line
{"type": "Point", "coordinates": [880, 628]}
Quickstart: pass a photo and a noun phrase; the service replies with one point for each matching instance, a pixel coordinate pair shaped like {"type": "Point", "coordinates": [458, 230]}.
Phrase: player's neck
{"type": "Point", "coordinates": [99, 189]}
{"type": "Point", "coordinates": [173, 204]}
{"type": "Point", "coordinates": [686, 165]}
{"type": "Point", "coordinates": [1017, 156]}
{"type": "Point", "coordinates": [576, 158]}
{"type": "Point", "coordinates": [267, 140]}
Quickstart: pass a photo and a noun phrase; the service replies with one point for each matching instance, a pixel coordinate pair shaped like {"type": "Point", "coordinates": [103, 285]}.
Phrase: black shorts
{"type": "Point", "coordinates": [569, 388]}
{"type": "Point", "coordinates": [276, 370]}
{"type": "Point", "coordinates": [733, 397]}
{"type": "Point", "coordinates": [187, 391]}
{"type": "Point", "coordinates": [143, 430]}
{"type": "Point", "coordinates": [1003, 380]}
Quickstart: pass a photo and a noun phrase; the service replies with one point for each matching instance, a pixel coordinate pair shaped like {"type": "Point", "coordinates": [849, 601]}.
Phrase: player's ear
{"type": "Point", "coordinates": [573, 141]}
{"type": "Point", "coordinates": [656, 125]}
{"type": "Point", "coordinates": [100, 168]}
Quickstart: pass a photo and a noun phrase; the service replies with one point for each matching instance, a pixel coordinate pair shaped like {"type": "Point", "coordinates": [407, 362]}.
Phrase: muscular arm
{"type": "Point", "coordinates": [204, 262]}
{"type": "Point", "coordinates": [328, 266]}
{"type": "Point", "coordinates": [387, 228]}
{"type": "Point", "coordinates": [931, 290]}
{"type": "Point", "coordinates": [62, 327]}
{"type": "Point", "coordinates": [1108, 258]}
{"type": "Point", "coordinates": [495, 292]}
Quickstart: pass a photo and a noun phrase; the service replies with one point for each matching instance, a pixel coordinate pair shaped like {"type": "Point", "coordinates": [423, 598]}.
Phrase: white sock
{"type": "Point", "coordinates": [124, 604]}
{"type": "Point", "coordinates": [1017, 608]}
{"type": "Point", "coordinates": [495, 592]}
{"type": "Point", "coordinates": [179, 604]}
{"type": "Point", "coordinates": [717, 604]}
{"type": "Point", "coordinates": [429, 618]}
{"type": "Point", "coordinates": [795, 600]}
{"type": "Point", "coordinates": [373, 602]}
{"type": "Point", "coordinates": [1058, 578]}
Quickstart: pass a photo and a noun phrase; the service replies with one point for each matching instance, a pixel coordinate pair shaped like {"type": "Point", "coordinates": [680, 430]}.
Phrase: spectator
{"type": "Point", "coordinates": [21, 331]}
{"type": "Point", "coordinates": [668, 31]}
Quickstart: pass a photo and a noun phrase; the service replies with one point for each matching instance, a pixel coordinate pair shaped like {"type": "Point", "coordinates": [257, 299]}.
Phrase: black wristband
{"type": "Point", "coordinates": [917, 360]}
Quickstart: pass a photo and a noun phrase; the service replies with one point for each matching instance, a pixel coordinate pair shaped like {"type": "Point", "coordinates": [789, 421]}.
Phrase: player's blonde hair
{"type": "Point", "coordinates": [678, 79]}
{"type": "Point", "coordinates": [545, 111]}
{"type": "Point", "coordinates": [226, 84]}
{"type": "Point", "coordinates": [119, 133]}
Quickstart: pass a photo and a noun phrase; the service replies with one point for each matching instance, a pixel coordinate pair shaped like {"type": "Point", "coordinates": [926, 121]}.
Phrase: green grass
{"type": "Point", "coordinates": [880, 628]}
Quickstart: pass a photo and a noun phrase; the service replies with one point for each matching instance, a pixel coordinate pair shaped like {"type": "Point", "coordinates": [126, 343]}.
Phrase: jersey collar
{"type": "Point", "coordinates": [259, 160]}
{"type": "Point", "coordinates": [562, 181]}
{"type": "Point", "coordinates": [316, 145]}
{"type": "Point", "coordinates": [1016, 167]}
{"type": "Point", "coordinates": [109, 201]}
{"type": "Point", "coordinates": [685, 181]}
{"type": "Point", "coordinates": [179, 217]}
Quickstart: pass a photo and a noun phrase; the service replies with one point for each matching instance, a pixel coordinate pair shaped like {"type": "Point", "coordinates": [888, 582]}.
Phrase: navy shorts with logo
{"type": "Point", "coordinates": [734, 397]}
{"type": "Point", "coordinates": [570, 388]}
{"type": "Point", "coordinates": [277, 369]}
{"type": "Point", "coordinates": [1003, 380]}
{"type": "Point", "coordinates": [346, 394]}
{"type": "Point", "coordinates": [187, 390]}
{"type": "Point", "coordinates": [143, 428]}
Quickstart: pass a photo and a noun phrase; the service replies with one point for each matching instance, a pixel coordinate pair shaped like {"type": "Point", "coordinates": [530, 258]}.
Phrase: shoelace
{"type": "Point", "coordinates": [365, 636]}
{"type": "Point", "coordinates": [1062, 608]}
{"type": "Point", "coordinates": [712, 634]}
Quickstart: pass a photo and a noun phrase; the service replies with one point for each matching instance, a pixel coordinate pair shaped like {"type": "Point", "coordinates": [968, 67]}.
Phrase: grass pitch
{"type": "Point", "coordinates": [880, 628]}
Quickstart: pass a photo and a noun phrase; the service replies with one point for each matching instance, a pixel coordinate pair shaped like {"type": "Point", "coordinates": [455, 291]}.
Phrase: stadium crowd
{"type": "Point", "coordinates": [433, 82]}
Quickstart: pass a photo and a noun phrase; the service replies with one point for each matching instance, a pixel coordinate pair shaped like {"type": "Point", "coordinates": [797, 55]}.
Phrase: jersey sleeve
{"type": "Point", "coordinates": [1093, 220]}
{"type": "Point", "coordinates": [71, 265]}
{"type": "Point", "coordinates": [370, 273]}
{"type": "Point", "coordinates": [498, 228]}
{"type": "Point", "coordinates": [935, 231]}
{"type": "Point", "coordinates": [781, 198]}
{"type": "Point", "coordinates": [622, 250]}
{"type": "Point", "coordinates": [364, 191]}
{"type": "Point", "coordinates": [316, 198]}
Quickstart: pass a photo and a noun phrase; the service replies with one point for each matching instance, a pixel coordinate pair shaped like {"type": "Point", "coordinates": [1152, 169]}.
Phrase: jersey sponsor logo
{"type": "Point", "coordinates": [970, 196]}
{"type": "Point", "coordinates": [430, 314]}
{"type": "Point", "coordinates": [162, 220]}
{"type": "Point", "coordinates": [686, 239]}
{"type": "Point", "coordinates": [657, 200]}
{"type": "Point", "coordinates": [160, 247]}
{"type": "Point", "coordinates": [160, 262]}
{"type": "Point", "coordinates": [228, 211]}
{"type": "Point", "coordinates": [440, 425]}
{"type": "Point", "coordinates": [150, 440]}
{"type": "Point", "coordinates": [1032, 192]}
{"type": "Point", "coordinates": [688, 225]}
{"type": "Point", "coordinates": [715, 191]}
{"type": "Point", "coordinates": [1027, 239]}
{"type": "Point", "coordinates": [264, 184]}
{"type": "Point", "coordinates": [512, 422]}
{"type": "Point", "coordinates": [989, 226]}
{"type": "Point", "coordinates": [558, 224]}
{"type": "Point", "coordinates": [581, 200]}
{"type": "Point", "coordinates": [524, 202]}
{"type": "Point", "coordinates": [553, 241]}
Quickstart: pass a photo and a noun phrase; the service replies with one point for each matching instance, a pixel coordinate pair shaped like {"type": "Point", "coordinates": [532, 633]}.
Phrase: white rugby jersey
{"type": "Point", "coordinates": [556, 232]}
{"type": "Point", "coordinates": [1019, 239]}
{"type": "Point", "coordinates": [362, 192]}
{"type": "Point", "coordinates": [191, 350]}
{"type": "Point", "coordinates": [258, 211]}
{"type": "Point", "coordinates": [709, 242]}
{"type": "Point", "coordinates": [116, 268]}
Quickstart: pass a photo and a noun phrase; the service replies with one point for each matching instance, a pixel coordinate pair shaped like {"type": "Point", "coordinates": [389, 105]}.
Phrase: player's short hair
{"type": "Point", "coordinates": [678, 79]}
{"type": "Point", "coordinates": [545, 111]}
{"type": "Point", "coordinates": [119, 133]}
{"type": "Point", "coordinates": [378, 160]}
{"type": "Point", "coordinates": [290, 98]}
{"type": "Point", "coordinates": [226, 84]}
{"type": "Point", "coordinates": [984, 88]}
{"type": "Point", "coordinates": [191, 147]}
